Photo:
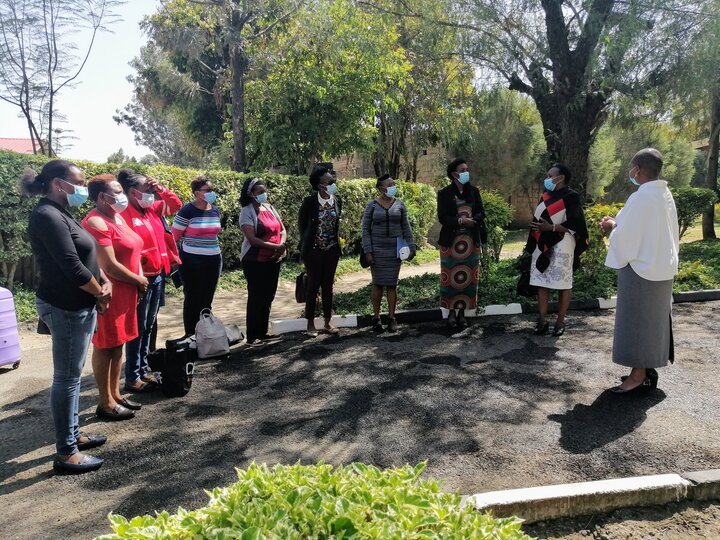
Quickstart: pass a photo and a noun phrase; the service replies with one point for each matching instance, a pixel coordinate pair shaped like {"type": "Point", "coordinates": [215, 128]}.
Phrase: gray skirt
{"type": "Point", "coordinates": [643, 321]}
{"type": "Point", "coordinates": [386, 265]}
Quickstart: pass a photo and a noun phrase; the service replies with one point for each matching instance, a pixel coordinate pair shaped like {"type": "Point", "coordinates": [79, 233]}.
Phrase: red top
{"type": "Point", "coordinates": [273, 234]}
{"type": "Point", "coordinates": [118, 324]}
{"type": "Point", "coordinates": [149, 226]}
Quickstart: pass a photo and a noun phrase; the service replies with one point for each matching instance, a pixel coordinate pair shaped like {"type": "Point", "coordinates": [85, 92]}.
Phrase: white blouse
{"type": "Point", "coordinates": [646, 235]}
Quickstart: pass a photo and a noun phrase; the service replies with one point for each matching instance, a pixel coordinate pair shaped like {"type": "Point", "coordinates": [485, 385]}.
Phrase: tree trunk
{"type": "Point", "coordinates": [238, 65]}
{"type": "Point", "coordinates": [708, 219]}
{"type": "Point", "coordinates": [11, 276]}
{"type": "Point", "coordinates": [575, 142]}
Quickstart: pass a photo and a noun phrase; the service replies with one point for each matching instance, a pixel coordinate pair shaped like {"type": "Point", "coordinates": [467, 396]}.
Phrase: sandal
{"type": "Point", "coordinates": [558, 330]}
{"type": "Point", "coordinates": [144, 387]}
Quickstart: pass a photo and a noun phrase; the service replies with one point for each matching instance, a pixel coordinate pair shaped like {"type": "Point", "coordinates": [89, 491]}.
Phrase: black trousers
{"type": "Point", "coordinates": [262, 281]}
{"type": "Point", "coordinates": [320, 267]}
{"type": "Point", "coordinates": [200, 274]}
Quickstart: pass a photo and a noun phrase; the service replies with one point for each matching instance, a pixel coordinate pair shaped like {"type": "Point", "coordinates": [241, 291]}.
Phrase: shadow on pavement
{"type": "Point", "coordinates": [588, 427]}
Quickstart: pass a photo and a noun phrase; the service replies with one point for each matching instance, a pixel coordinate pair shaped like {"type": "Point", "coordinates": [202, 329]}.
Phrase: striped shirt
{"type": "Point", "coordinates": [197, 229]}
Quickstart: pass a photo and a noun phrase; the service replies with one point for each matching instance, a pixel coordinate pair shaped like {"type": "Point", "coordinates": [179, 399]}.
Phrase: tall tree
{"type": "Point", "coordinates": [435, 100]}
{"type": "Point", "coordinates": [571, 56]}
{"type": "Point", "coordinates": [178, 105]}
{"type": "Point", "coordinates": [324, 80]}
{"type": "Point", "coordinates": [229, 28]}
{"type": "Point", "coordinates": [39, 56]}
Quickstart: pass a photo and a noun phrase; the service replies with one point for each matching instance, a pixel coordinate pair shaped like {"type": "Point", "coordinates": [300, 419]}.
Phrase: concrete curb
{"type": "Point", "coordinates": [437, 314]}
{"type": "Point", "coordinates": [586, 498]}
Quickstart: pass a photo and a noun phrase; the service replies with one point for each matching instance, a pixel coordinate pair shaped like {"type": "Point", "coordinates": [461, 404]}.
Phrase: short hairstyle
{"type": "Point", "coordinates": [649, 160]}
{"type": "Point", "coordinates": [36, 184]}
{"type": "Point", "coordinates": [199, 183]}
{"type": "Point", "coordinates": [316, 175]}
{"type": "Point", "coordinates": [382, 179]}
{"type": "Point", "coordinates": [129, 179]}
{"type": "Point", "coordinates": [245, 196]}
{"type": "Point", "coordinates": [99, 184]}
{"type": "Point", "coordinates": [453, 165]}
{"type": "Point", "coordinates": [564, 170]}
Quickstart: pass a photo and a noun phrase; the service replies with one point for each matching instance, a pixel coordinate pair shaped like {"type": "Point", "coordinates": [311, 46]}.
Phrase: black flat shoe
{"type": "Point", "coordinates": [93, 441]}
{"type": "Point", "coordinates": [542, 330]}
{"type": "Point", "coordinates": [132, 405]}
{"type": "Point", "coordinates": [645, 385]}
{"type": "Point", "coordinates": [377, 325]}
{"type": "Point", "coordinates": [558, 331]}
{"type": "Point", "coordinates": [651, 374]}
{"type": "Point", "coordinates": [116, 414]}
{"type": "Point", "coordinates": [87, 464]}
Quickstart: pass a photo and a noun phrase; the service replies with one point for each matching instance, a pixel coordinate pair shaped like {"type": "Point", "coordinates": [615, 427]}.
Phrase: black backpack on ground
{"type": "Point", "coordinates": [175, 368]}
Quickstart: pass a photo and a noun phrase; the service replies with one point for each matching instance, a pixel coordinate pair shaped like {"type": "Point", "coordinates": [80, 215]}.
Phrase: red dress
{"type": "Point", "coordinates": [119, 324]}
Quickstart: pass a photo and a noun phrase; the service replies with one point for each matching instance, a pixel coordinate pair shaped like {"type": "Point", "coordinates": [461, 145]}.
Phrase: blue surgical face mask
{"type": "Point", "coordinates": [331, 189]}
{"type": "Point", "coordinates": [120, 204]}
{"type": "Point", "coordinates": [633, 181]}
{"type": "Point", "coordinates": [146, 200]}
{"type": "Point", "coordinates": [464, 177]}
{"type": "Point", "coordinates": [78, 196]}
{"type": "Point", "coordinates": [262, 198]}
{"type": "Point", "coordinates": [549, 184]}
{"type": "Point", "coordinates": [391, 191]}
{"type": "Point", "coordinates": [210, 197]}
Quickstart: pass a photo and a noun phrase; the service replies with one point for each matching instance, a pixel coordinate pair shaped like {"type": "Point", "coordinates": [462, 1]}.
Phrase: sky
{"type": "Point", "coordinates": [103, 88]}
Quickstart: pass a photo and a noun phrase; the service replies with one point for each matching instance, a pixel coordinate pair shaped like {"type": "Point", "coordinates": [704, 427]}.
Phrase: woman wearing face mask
{"type": "Point", "coordinates": [385, 221]}
{"type": "Point", "coordinates": [558, 236]}
{"type": "Point", "coordinates": [318, 223]}
{"type": "Point", "coordinates": [72, 290]}
{"type": "Point", "coordinates": [149, 202]}
{"type": "Point", "coordinates": [262, 250]}
{"type": "Point", "coordinates": [119, 251]}
{"type": "Point", "coordinates": [644, 248]}
{"type": "Point", "coordinates": [196, 227]}
{"type": "Point", "coordinates": [462, 216]}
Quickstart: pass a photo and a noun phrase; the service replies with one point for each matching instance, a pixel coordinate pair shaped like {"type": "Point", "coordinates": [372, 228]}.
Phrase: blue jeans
{"type": "Point", "coordinates": [136, 351]}
{"type": "Point", "coordinates": [71, 333]}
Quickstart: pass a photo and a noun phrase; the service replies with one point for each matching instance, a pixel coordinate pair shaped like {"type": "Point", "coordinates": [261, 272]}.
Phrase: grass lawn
{"type": "Point", "coordinates": [699, 269]}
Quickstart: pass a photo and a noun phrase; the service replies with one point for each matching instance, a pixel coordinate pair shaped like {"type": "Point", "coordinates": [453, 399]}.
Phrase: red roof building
{"type": "Point", "coordinates": [21, 146]}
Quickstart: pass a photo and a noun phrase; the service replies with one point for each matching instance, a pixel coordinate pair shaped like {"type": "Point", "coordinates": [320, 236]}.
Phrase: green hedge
{"type": "Point", "coordinates": [300, 502]}
{"type": "Point", "coordinates": [285, 193]}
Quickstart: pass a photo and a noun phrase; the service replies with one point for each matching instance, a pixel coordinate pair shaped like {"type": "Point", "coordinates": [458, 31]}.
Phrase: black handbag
{"type": "Point", "coordinates": [523, 287]}
{"type": "Point", "coordinates": [300, 287]}
{"type": "Point", "coordinates": [174, 368]}
{"type": "Point", "coordinates": [363, 259]}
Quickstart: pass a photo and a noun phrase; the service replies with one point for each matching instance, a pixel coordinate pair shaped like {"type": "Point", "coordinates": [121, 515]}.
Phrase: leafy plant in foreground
{"type": "Point", "coordinates": [323, 502]}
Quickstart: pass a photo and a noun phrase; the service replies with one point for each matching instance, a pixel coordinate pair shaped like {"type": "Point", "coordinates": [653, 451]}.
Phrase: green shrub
{"type": "Point", "coordinates": [690, 204]}
{"type": "Point", "coordinates": [699, 266]}
{"type": "Point", "coordinates": [14, 212]}
{"type": "Point", "coordinates": [593, 260]}
{"type": "Point", "coordinates": [323, 502]}
{"type": "Point", "coordinates": [498, 215]}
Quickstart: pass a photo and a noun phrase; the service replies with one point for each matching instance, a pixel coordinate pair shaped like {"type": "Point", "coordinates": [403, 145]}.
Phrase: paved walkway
{"type": "Point", "coordinates": [230, 306]}
{"type": "Point", "coordinates": [492, 407]}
